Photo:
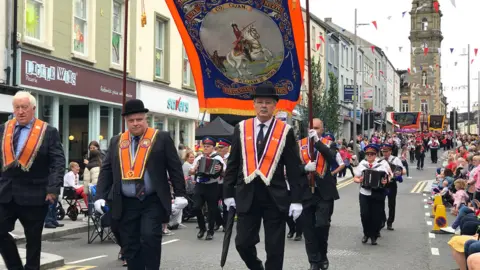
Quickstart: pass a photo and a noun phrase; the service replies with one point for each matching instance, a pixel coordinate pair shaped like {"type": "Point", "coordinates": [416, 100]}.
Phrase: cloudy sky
{"type": "Point", "coordinates": [459, 28]}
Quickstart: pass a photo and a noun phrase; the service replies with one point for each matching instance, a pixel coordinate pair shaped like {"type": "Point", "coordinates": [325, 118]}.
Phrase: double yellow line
{"type": "Point", "coordinates": [419, 187]}
{"type": "Point", "coordinates": [345, 183]}
{"type": "Point", "coordinates": [75, 267]}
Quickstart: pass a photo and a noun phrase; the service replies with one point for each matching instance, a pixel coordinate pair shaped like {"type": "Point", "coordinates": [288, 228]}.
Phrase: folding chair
{"type": "Point", "coordinates": [98, 225]}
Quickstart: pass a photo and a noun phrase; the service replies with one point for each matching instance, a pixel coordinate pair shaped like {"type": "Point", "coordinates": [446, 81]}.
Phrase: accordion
{"type": "Point", "coordinates": [396, 170]}
{"type": "Point", "coordinates": [206, 169]}
{"type": "Point", "coordinates": [373, 179]}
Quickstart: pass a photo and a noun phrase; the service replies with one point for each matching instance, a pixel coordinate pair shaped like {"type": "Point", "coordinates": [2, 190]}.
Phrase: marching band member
{"type": "Point", "coordinates": [433, 144]}
{"type": "Point", "coordinates": [398, 169]}
{"type": "Point", "coordinates": [318, 209]}
{"type": "Point", "coordinates": [255, 183]}
{"type": "Point", "coordinates": [206, 189]}
{"type": "Point", "coordinates": [223, 148]}
{"type": "Point", "coordinates": [372, 200]}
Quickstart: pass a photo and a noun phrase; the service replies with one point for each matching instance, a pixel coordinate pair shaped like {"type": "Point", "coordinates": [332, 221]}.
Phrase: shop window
{"type": "Point", "coordinates": [80, 29]}
{"type": "Point", "coordinates": [117, 31]}
{"type": "Point", "coordinates": [184, 132]}
{"type": "Point", "coordinates": [160, 63]}
{"type": "Point", "coordinates": [171, 127]}
{"type": "Point", "coordinates": [45, 108]}
{"type": "Point", "coordinates": [35, 18]}
{"type": "Point", "coordinates": [158, 122]}
{"type": "Point", "coordinates": [187, 71]}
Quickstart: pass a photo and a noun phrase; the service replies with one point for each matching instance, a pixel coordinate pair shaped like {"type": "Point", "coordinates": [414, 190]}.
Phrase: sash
{"type": "Point", "coordinates": [29, 150]}
{"type": "Point", "coordinates": [265, 167]}
{"type": "Point", "coordinates": [304, 145]}
{"type": "Point", "coordinates": [134, 169]}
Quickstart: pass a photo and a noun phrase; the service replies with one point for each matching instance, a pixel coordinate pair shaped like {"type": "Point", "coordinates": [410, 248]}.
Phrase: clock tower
{"type": "Point", "coordinates": [425, 93]}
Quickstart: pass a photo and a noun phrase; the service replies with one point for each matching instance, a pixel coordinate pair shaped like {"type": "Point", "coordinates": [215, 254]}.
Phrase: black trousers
{"type": "Point", "coordinates": [206, 193]}
{"type": "Point", "coordinates": [294, 226]}
{"type": "Point", "coordinates": [371, 214]}
{"type": "Point", "coordinates": [420, 160]}
{"type": "Point", "coordinates": [392, 202]}
{"type": "Point", "coordinates": [32, 219]}
{"type": "Point", "coordinates": [221, 215]}
{"type": "Point", "coordinates": [248, 228]}
{"type": "Point", "coordinates": [412, 156]}
{"type": "Point", "coordinates": [141, 232]}
{"type": "Point", "coordinates": [315, 221]}
{"type": "Point", "coordinates": [433, 155]}
{"type": "Point", "coordinates": [405, 164]}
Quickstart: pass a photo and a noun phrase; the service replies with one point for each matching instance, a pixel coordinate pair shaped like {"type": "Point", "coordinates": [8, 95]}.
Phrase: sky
{"type": "Point", "coordinates": [458, 28]}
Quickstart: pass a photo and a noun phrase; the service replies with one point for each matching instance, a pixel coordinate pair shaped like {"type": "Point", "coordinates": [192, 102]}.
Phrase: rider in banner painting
{"type": "Point", "coordinates": [240, 43]}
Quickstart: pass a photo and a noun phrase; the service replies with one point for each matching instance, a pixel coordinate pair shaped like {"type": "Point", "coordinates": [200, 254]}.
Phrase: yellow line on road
{"type": "Point", "coordinates": [76, 267]}
{"type": "Point", "coordinates": [419, 187]}
{"type": "Point", "coordinates": [344, 184]}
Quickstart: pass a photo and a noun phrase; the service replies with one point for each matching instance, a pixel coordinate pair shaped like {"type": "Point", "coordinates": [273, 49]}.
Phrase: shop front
{"type": "Point", "coordinates": [172, 110]}
{"type": "Point", "coordinates": [82, 103]}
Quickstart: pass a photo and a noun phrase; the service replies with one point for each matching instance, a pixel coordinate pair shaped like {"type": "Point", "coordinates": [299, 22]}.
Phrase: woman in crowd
{"type": "Point", "coordinates": [92, 170]}
{"type": "Point", "coordinates": [403, 158]}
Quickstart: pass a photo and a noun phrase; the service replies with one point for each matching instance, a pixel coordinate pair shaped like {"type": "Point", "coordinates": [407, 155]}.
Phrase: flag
{"type": "Point", "coordinates": [475, 51]}
{"type": "Point", "coordinates": [373, 48]}
{"type": "Point", "coordinates": [375, 24]}
{"type": "Point", "coordinates": [403, 14]}
{"type": "Point", "coordinates": [226, 71]}
{"type": "Point", "coordinates": [425, 51]}
{"type": "Point", "coordinates": [436, 6]}
{"type": "Point", "coordinates": [451, 50]}
{"type": "Point", "coordinates": [400, 49]}
{"type": "Point", "coordinates": [322, 39]}
{"type": "Point", "coordinates": [453, 3]}
{"type": "Point", "coordinates": [318, 45]}
{"type": "Point", "coordinates": [408, 69]}
{"type": "Point", "coordinates": [471, 62]}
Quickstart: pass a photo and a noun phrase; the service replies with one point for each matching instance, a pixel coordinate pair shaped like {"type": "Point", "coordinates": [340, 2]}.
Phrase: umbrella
{"type": "Point", "coordinates": [218, 129]}
{"type": "Point", "coordinates": [228, 235]}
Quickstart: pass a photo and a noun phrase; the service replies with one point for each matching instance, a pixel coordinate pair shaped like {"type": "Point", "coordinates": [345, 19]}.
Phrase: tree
{"type": "Point", "coordinates": [331, 106]}
{"type": "Point", "coordinates": [317, 102]}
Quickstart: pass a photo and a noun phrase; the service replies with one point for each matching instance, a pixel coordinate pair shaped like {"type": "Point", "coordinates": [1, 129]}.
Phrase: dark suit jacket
{"type": "Point", "coordinates": [326, 186]}
{"type": "Point", "coordinates": [44, 177]}
{"type": "Point", "coordinates": [163, 158]}
{"type": "Point", "coordinates": [234, 178]}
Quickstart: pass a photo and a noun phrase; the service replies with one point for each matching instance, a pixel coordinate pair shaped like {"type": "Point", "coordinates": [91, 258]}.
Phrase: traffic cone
{"type": "Point", "coordinates": [440, 220]}
{"type": "Point", "coordinates": [437, 201]}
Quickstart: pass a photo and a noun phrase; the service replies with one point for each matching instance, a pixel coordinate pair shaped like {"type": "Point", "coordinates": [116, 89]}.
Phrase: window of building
{"type": "Point", "coordinates": [187, 72]}
{"type": "Point", "coordinates": [405, 107]}
{"type": "Point", "coordinates": [351, 55]}
{"type": "Point", "coordinates": [342, 55]}
{"type": "Point", "coordinates": [341, 83]}
{"type": "Point", "coordinates": [376, 68]}
{"type": "Point", "coordinates": [80, 28]}
{"type": "Point", "coordinates": [314, 38]}
{"type": "Point", "coordinates": [35, 18]}
{"type": "Point", "coordinates": [346, 50]}
{"type": "Point", "coordinates": [117, 31]}
{"type": "Point", "coordinates": [424, 24]}
{"type": "Point", "coordinates": [424, 106]}
{"type": "Point", "coordinates": [160, 48]}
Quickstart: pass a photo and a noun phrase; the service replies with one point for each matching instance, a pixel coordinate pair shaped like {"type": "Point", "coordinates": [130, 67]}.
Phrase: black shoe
{"type": "Point", "coordinates": [50, 226]}
{"type": "Point", "coordinates": [290, 234]}
{"type": "Point", "coordinates": [200, 234]}
{"type": "Point", "coordinates": [298, 237]}
{"type": "Point", "coordinates": [374, 241]}
{"type": "Point", "coordinates": [314, 266]}
{"type": "Point", "coordinates": [379, 235]}
{"type": "Point", "coordinates": [59, 225]}
{"type": "Point", "coordinates": [365, 239]}
{"type": "Point", "coordinates": [324, 264]}
{"type": "Point", "coordinates": [390, 228]}
{"type": "Point", "coordinates": [216, 228]}
{"type": "Point", "coordinates": [209, 236]}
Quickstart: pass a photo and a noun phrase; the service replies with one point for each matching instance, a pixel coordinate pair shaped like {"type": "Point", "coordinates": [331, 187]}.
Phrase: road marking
{"type": "Point", "coordinates": [76, 267]}
{"type": "Point", "coordinates": [425, 200]}
{"type": "Point", "coordinates": [419, 187]}
{"type": "Point", "coordinates": [435, 251]}
{"type": "Point", "coordinates": [169, 242]}
{"type": "Point", "coordinates": [427, 214]}
{"type": "Point", "coordinates": [426, 206]}
{"type": "Point", "coordinates": [88, 259]}
{"type": "Point", "coordinates": [429, 223]}
{"type": "Point", "coordinates": [424, 195]}
{"type": "Point", "coordinates": [431, 235]}
{"type": "Point", "coordinates": [344, 184]}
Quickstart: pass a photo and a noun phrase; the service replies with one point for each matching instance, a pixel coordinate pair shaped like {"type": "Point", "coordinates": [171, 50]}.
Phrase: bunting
{"type": "Point", "coordinates": [475, 51]}
{"type": "Point", "coordinates": [436, 6]}
{"type": "Point", "coordinates": [375, 24]}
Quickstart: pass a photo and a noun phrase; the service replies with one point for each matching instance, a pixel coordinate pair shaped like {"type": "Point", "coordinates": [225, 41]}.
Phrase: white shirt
{"type": "Point", "coordinates": [70, 180]}
{"type": "Point", "coordinates": [431, 142]}
{"type": "Point", "coordinates": [339, 160]}
{"type": "Point", "coordinates": [363, 165]}
{"type": "Point", "coordinates": [217, 157]}
{"type": "Point", "coordinates": [265, 128]}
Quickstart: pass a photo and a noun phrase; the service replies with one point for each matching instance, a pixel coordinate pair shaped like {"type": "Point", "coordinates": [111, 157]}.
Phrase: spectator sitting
{"type": "Point", "coordinates": [460, 197]}
{"type": "Point", "coordinates": [71, 180]}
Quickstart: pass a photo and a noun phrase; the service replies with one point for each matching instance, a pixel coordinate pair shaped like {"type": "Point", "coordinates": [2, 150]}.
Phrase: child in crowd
{"type": "Point", "coordinates": [460, 197]}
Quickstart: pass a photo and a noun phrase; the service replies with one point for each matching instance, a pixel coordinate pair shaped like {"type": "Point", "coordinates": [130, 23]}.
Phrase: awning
{"type": "Point", "coordinates": [8, 89]}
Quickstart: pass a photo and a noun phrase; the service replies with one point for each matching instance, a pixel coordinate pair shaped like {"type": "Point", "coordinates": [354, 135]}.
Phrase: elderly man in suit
{"type": "Point", "coordinates": [254, 183]}
{"type": "Point", "coordinates": [137, 169]}
{"type": "Point", "coordinates": [33, 165]}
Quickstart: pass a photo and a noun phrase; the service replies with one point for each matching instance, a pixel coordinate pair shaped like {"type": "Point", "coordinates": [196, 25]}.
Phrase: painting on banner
{"type": "Point", "coordinates": [435, 122]}
{"type": "Point", "coordinates": [407, 122]}
{"type": "Point", "coordinates": [235, 45]}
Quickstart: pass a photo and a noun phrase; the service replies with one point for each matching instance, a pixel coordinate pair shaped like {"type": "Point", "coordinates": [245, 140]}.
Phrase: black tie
{"type": "Point", "coordinates": [260, 143]}
{"type": "Point", "coordinates": [139, 186]}
{"type": "Point", "coordinates": [16, 136]}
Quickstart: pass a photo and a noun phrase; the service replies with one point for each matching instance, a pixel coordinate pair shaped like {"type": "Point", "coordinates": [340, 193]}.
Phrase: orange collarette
{"type": "Point", "coordinates": [321, 167]}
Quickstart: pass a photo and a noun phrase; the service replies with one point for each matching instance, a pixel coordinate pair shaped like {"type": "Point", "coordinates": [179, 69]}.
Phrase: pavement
{"type": "Point", "coordinates": [411, 246]}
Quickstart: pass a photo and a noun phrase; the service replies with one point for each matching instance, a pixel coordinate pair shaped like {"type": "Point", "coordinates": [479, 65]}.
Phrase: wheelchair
{"type": "Point", "coordinates": [74, 207]}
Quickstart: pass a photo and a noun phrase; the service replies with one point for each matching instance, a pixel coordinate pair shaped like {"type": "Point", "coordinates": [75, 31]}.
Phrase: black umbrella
{"type": "Point", "coordinates": [228, 235]}
{"type": "Point", "coordinates": [217, 129]}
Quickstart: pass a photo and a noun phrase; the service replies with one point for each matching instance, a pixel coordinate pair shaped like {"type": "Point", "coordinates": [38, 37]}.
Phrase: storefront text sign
{"type": "Point", "coordinates": [177, 105]}
{"type": "Point", "coordinates": [57, 76]}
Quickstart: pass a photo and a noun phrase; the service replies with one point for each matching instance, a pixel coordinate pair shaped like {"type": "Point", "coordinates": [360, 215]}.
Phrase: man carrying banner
{"type": "Point", "coordinates": [262, 147]}
{"type": "Point", "coordinates": [319, 208]}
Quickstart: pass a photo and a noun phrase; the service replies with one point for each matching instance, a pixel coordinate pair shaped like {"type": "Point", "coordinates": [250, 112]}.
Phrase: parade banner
{"type": "Point", "coordinates": [407, 122]}
{"type": "Point", "coordinates": [235, 45]}
{"type": "Point", "coordinates": [436, 122]}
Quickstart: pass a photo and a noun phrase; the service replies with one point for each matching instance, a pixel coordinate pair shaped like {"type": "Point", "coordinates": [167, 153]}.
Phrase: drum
{"type": "Point", "coordinates": [206, 168]}
{"type": "Point", "coordinates": [373, 179]}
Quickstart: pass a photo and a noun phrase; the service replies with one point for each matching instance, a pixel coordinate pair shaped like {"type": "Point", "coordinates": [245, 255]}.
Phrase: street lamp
{"type": "Point", "coordinates": [468, 89]}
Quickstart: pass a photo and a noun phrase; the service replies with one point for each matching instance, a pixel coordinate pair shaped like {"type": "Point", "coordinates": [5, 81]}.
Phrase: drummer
{"type": "Point", "coordinates": [206, 189]}
{"type": "Point", "coordinates": [371, 200]}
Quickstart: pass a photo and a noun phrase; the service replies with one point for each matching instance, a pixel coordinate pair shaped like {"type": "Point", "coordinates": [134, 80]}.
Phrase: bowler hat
{"type": "Point", "coordinates": [133, 106]}
{"type": "Point", "coordinates": [265, 90]}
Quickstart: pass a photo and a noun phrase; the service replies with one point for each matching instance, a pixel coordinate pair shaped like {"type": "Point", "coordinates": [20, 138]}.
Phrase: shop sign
{"type": "Point", "coordinates": [48, 74]}
{"type": "Point", "coordinates": [177, 105]}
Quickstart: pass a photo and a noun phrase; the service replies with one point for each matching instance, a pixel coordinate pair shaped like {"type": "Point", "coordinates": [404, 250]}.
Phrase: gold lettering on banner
{"type": "Point", "coordinates": [193, 13]}
{"type": "Point", "coordinates": [273, 6]}
{"type": "Point", "coordinates": [231, 5]}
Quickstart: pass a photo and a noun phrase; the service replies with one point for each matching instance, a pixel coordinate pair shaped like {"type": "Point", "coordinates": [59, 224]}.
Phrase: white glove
{"type": "Point", "coordinates": [230, 202]}
{"type": "Point", "coordinates": [180, 202]}
{"type": "Point", "coordinates": [311, 166]}
{"type": "Point", "coordinates": [98, 205]}
{"type": "Point", "coordinates": [313, 134]}
{"type": "Point", "coordinates": [295, 210]}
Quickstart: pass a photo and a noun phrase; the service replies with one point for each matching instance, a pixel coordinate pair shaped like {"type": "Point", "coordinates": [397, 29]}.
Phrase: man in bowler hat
{"type": "Point", "coordinates": [137, 170]}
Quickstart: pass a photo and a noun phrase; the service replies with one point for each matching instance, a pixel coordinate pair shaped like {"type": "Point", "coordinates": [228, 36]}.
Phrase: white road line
{"type": "Point", "coordinates": [427, 214]}
{"type": "Point", "coordinates": [169, 242]}
{"type": "Point", "coordinates": [425, 200]}
{"type": "Point", "coordinates": [429, 223]}
{"type": "Point", "coordinates": [435, 251]}
{"type": "Point", "coordinates": [425, 206]}
{"type": "Point", "coordinates": [424, 195]}
{"type": "Point", "coordinates": [87, 259]}
{"type": "Point", "coordinates": [431, 235]}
